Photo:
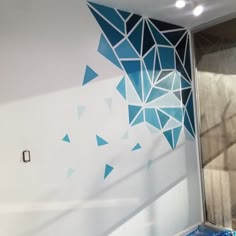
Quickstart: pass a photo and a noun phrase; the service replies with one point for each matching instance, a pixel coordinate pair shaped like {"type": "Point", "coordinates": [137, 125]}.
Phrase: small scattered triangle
{"type": "Point", "coordinates": [121, 87]}
{"type": "Point", "coordinates": [133, 111]}
{"type": "Point", "coordinates": [125, 136]}
{"type": "Point", "coordinates": [169, 138]}
{"type": "Point", "coordinates": [136, 147]}
{"type": "Point", "coordinates": [89, 75]}
{"type": "Point", "coordinates": [80, 111]}
{"type": "Point", "coordinates": [124, 14]}
{"type": "Point", "coordinates": [176, 134]}
{"type": "Point", "coordinates": [66, 138]}
{"type": "Point", "coordinates": [108, 170]}
{"type": "Point", "coordinates": [101, 141]}
{"type": "Point", "coordinates": [70, 172]}
{"type": "Point", "coordinates": [109, 103]}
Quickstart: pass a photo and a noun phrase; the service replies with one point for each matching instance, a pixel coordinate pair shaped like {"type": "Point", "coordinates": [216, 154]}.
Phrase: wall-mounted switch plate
{"type": "Point", "coordinates": [26, 156]}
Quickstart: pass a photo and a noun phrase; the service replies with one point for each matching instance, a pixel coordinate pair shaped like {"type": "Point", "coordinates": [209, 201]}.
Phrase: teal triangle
{"type": "Point", "coordinates": [133, 111]}
{"type": "Point", "coordinates": [184, 83]}
{"type": "Point", "coordinates": [136, 37]}
{"type": "Point", "coordinates": [157, 68]}
{"type": "Point", "coordinates": [168, 135]}
{"type": "Point", "coordinates": [166, 83]}
{"type": "Point", "coordinates": [167, 57]}
{"type": "Point", "coordinates": [175, 112]}
{"type": "Point", "coordinates": [190, 111]}
{"type": "Point", "coordinates": [109, 103]}
{"type": "Point", "coordinates": [66, 138]}
{"type": "Point", "coordinates": [149, 62]}
{"type": "Point", "coordinates": [124, 14]}
{"type": "Point", "coordinates": [177, 82]}
{"type": "Point", "coordinates": [146, 83]}
{"type": "Point", "coordinates": [89, 75]}
{"type": "Point", "coordinates": [70, 172]}
{"type": "Point", "coordinates": [125, 50]}
{"type": "Point", "coordinates": [155, 94]}
{"type": "Point", "coordinates": [139, 119]}
{"type": "Point", "coordinates": [136, 147]}
{"type": "Point", "coordinates": [178, 95]}
{"type": "Point", "coordinates": [108, 170]}
{"type": "Point", "coordinates": [187, 125]}
{"type": "Point", "coordinates": [105, 49]}
{"type": "Point", "coordinates": [163, 118]}
{"type": "Point", "coordinates": [101, 141]}
{"type": "Point", "coordinates": [176, 134]}
{"type": "Point", "coordinates": [151, 117]}
{"type": "Point", "coordinates": [121, 87]}
{"type": "Point", "coordinates": [125, 136]}
{"type": "Point", "coordinates": [80, 111]}
{"type": "Point", "coordinates": [159, 38]}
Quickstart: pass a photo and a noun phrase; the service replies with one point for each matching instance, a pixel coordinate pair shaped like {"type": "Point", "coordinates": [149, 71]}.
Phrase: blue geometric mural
{"type": "Point", "coordinates": [101, 141]}
{"type": "Point", "coordinates": [108, 170]}
{"type": "Point", "coordinates": [155, 57]}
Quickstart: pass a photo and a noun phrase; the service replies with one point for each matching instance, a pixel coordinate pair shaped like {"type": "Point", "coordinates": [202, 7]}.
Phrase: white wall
{"type": "Point", "coordinates": [45, 46]}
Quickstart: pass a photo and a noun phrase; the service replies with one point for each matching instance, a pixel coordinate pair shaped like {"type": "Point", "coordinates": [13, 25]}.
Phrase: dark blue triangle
{"type": "Point", "coordinates": [175, 112]}
{"type": "Point", "coordinates": [167, 57]}
{"type": "Point", "coordinates": [157, 67]}
{"type": "Point", "coordinates": [162, 26]}
{"type": "Point", "coordinates": [175, 36]}
{"type": "Point", "coordinates": [184, 83]}
{"type": "Point", "coordinates": [133, 111]}
{"type": "Point", "coordinates": [149, 62]}
{"type": "Point", "coordinates": [124, 14]}
{"type": "Point", "coordinates": [139, 119]}
{"type": "Point", "coordinates": [89, 75]}
{"type": "Point", "coordinates": [125, 50]}
{"type": "Point", "coordinates": [66, 138]}
{"type": "Point", "coordinates": [111, 15]}
{"type": "Point", "coordinates": [121, 87]}
{"type": "Point", "coordinates": [188, 125]}
{"type": "Point", "coordinates": [112, 34]}
{"type": "Point", "coordinates": [136, 37]}
{"type": "Point", "coordinates": [169, 138]}
{"type": "Point", "coordinates": [136, 147]}
{"type": "Point", "coordinates": [156, 93]}
{"type": "Point", "coordinates": [105, 49]}
{"type": "Point", "coordinates": [185, 95]}
{"type": "Point", "coordinates": [133, 69]}
{"type": "Point", "coordinates": [188, 61]}
{"type": "Point", "coordinates": [151, 117]}
{"type": "Point", "coordinates": [166, 83]}
{"type": "Point", "coordinates": [132, 21]}
{"type": "Point", "coordinates": [101, 141]}
{"type": "Point", "coordinates": [190, 111]}
{"type": "Point", "coordinates": [148, 41]}
{"type": "Point", "coordinates": [181, 47]}
{"type": "Point", "coordinates": [163, 118]}
{"type": "Point", "coordinates": [180, 68]}
{"type": "Point", "coordinates": [108, 170]}
{"type": "Point", "coordinates": [159, 38]}
{"type": "Point", "coordinates": [176, 133]}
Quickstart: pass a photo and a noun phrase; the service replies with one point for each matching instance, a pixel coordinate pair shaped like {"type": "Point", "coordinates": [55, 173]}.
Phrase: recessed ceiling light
{"type": "Point", "coordinates": [180, 3]}
{"type": "Point", "coordinates": [197, 11]}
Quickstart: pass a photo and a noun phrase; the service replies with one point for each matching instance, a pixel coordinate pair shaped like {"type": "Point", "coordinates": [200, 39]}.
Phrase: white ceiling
{"type": "Point", "coordinates": [165, 10]}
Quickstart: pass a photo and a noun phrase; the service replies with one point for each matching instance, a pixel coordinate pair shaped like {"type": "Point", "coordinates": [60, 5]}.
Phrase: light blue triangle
{"type": "Point", "coordinates": [155, 94]}
{"type": "Point", "coordinates": [151, 117]}
{"type": "Point", "coordinates": [101, 141]}
{"type": "Point", "coordinates": [133, 111]}
{"type": "Point", "coordinates": [66, 138]}
{"type": "Point", "coordinates": [149, 62]}
{"type": "Point", "coordinates": [108, 170]}
{"type": "Point", "coordinates": [163, 118]}
{"type": "Point", "coordinates": [124, 14]}
{"type": "Point", "coordinates": [109, 103]}
{"type": "Point", "coordinates": [125, 136]}
{"type": "Point", "coordinates": [80, 111]}
{"type": "Point", "coordinates": [125, 50]}
{"type": "Point", "coordinates": [146, 83]}
{"type": "Point", "coordinates": [70, 172]}
{"type": "Point", "coordinates": [89, 75]}
{"type": "Point", "coordinates": [177, 83]}
{"type": "Point", "coordinates": [175, 112]}
{"type": "Point", "coordinates": [136, 37]}
{"type": "Point", "coordinates": [157, 68]}
{"type": "Point", "coordinates": [168, 135]}
{"type": "Point", "coordinates": [121, 87]}
{"type": "Point", "coordinates": [166, 83]}
{"type": "Point", "coordinates": [139, 119]}
{"type": "Point", "coordinates": [176, 134]}
{"type": "Point", "coordinates": [105, 49]}
{"type": "Point", "coordinates": [136, 147]}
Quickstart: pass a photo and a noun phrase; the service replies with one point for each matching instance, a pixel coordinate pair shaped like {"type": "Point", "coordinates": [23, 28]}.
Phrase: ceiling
{"type": "Point", "coordinates": [165, 10]}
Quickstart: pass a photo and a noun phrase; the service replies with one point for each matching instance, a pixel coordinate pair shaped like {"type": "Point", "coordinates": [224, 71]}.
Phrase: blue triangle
{"type": "Point", "coordinates": [149, 62]}
{"type": "Point", "coordinates": [112, 34]}
{"type": "Point", "coordinates": [151, 117]}
{"type": "Point", "coordinates": [166, 83]}
{"type": "Point", "coordinates": [105, 49]}
{"type": "Point", "coordinates": [146, 83]}
{"type": "Point", "coordinates": [133, 111]}
{"type": "Point", "coordinates": [108, 170]}
{"type": "Point", "coordinates": [89, 75]}
{"type": "Point", "coordinates": [157, 68]}
{"type": "Point", "coordinates": [111, 15]}
{"type": "Point", "coordinates": [139, 119]}
{"type": "Point", "coordinates": [125, 50]}
{"type": "Point", "coordinates": [136, 37]}
{"type": "Point", "coordinates": [184, 83]}
{"type": "Point", "coordinates": [70, 172]}
{"type": "Point", "coordinates": [190, 111]}
{"type": "Point", "coordinates": [167, 57]}
{"type": "Point", "coordinates": [133, 69]}
{"type": "Point", "coordinates": [168, 135]}
{"type": "Point", "coordinates": [177, 83]}
{"type": "Point", "coordinates": [187, 125]}
{"type": "Point", "coordinates": [121, 87]}
{"type": "Point", "coordinates": [66, 138]}
{"type": "Point", "coordinates": [175, 112]}
{"type": "Point", "coordinates": [124, 14]}
{"type": "Point", "coordinates": [136, 147]}
{"type": "Point", "coordinates": [159, 38]}
{"type": "Point", "coordinates": [109, 103]}
{"type": "Point", "coordinates": [163, 118]}
{"type": "Point", "coordinates": [155, 94]}
{"type": "Point", "coordinates": [101, 141]}
{"type": "Point", "coordinates": [80, 111]}
{"type": "Point", "coordinates": [176, 133]}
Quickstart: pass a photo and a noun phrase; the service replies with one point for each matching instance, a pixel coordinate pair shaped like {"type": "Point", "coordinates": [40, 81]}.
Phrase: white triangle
{"type": "Point", "coordinates": [171, 124]}
{"type": "Point", "coordinates": [109, 103]}
{"type": "Point", "coordinates": [80, 111]}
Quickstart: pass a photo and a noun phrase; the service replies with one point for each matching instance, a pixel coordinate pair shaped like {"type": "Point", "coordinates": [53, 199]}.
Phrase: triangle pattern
{"type": "Point", "coordinates": [132, 21]}
{"type": "Point", "coordinates": [169, 138]}
{"type": "Point", "coordinates": [175, 36]}
{"type": "Point", "coordinates": [148, 41]}
{"type": "Point", "coordinates": [163, 74]}
{"type": "Point", "coordinates": [178, 95]}
{"type": "Point", "coordinates": [185, 95]}
{"type": "Point", "coordinates": [167, 57]}
{"type": "Point", "coordinates": [125, 50]}
{"type": "Point", "coordinates": [190, 111]}
{"type": "Point", "coordinates": [151, 117]}
{"type": "Point", "coordinates": [187, 125]}
{"type": "Point", "coordinates": [89, 75]}
{"type": "Point", "coordinates": [163, 118]}
{"type": "Point", "coordinates": [133, 111]}
{"type": "Point", "coordinates": [108, 170]}
{"type": "Point", "coordinates": [180, 48]}
{"type": "Point", "coordinates": [146, 83]}
{"type": "Point", "coordinates": [171, 124]}
{"type": "Point", "coordinates": [166, 83]}
{"type": "Point", "coordinates": [66, 138]}
{"type": "Point", "coordinates": [169, 100]}
{"type": "Point", "coordinates": [121, 87]}
{"type": "Point", "coordinates": [136, 37]}
{"type": "Point", "coordinates": [180, 68]}
{"type": "Point", "coordinates": [156, 93]}
{"type": "Point", "coordinates": [157, 67]}
{"type": "Point", "coordinates": [176, 134]}
{"type": "Point", "coordinates": [162, 26]}
{"type": "Point", "coordinates": [124, 14]}
{"type": "Point", "coordinates": [139, 119]}
{"type": "Point", "coordinates": [185, 84]}
{"type": "Point", "coordinates": [136, 147]}
{"type": "Point", "coordinates": [105, 49]}
{"type": "Point", "coordinates": [175, 112]}
{"type": "Point", "coordinates": [177, 82]}
{"type": "Point", "coordinates": [149, 62]}
{"type": "Point", "coordinates": [187, 63]}
{"type": "Point", "coordinates": [100, 141]}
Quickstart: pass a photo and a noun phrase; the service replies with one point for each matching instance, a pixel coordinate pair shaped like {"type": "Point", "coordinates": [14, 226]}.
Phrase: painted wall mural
{"type": "Point", "coordinates": [156, 58]}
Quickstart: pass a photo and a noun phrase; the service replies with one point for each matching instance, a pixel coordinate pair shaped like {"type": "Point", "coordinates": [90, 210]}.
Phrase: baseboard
{"type": "Point", "coordinates": [188, 230]}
